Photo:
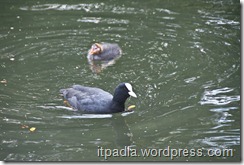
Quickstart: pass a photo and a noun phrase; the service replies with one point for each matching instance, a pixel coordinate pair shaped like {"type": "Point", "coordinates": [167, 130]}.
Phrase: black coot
{"type": "Point", "coordinates": [104, 51]}
{"type": "Point", "coordinates": [98, 101]}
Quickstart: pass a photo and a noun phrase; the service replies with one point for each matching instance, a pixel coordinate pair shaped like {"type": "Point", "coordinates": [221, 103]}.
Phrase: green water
{"type": "Point", "coordinates": [183, 59]}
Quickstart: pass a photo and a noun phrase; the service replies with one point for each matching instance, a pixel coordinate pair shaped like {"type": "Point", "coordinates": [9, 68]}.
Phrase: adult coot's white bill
{"type": "Point", "coordinates": [95, 100]}
{"type": "Point", "coordinates": [104, 51]}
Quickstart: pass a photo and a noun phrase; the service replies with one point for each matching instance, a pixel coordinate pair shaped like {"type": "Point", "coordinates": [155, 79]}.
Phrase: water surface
{"type": "Point", "coordinates": [182, 58]}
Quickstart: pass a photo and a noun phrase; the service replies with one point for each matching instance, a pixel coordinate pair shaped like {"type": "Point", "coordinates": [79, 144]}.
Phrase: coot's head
{"type": "Point", "coordinates": [122, 92]}
{"type": "Point", "coordinates": [95, 49]}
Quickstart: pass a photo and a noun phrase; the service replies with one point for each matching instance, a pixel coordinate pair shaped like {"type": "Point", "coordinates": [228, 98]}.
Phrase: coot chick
{"type": "Point", "coordinates": [104, 51]}
{"type": "Point", "coordinates": [97, 101]}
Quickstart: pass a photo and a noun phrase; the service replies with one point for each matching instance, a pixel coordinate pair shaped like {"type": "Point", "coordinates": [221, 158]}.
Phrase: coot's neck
{"type": "Point", "coordinates": [118, 102]}
{"type": "Point", "coordinates": [117, 106]}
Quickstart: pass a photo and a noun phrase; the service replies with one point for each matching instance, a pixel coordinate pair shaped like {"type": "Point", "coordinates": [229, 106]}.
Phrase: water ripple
{"type": "Point", "coordinates": [101, 20]}
{"type": "Point", "coordinates": [88, 116]}
{"type": "Point", "coordinates": [166, 11]}
{"type": "Point", "coordinates": [62, 7]}
{"type": "Point", "coordinates": [214, 97]}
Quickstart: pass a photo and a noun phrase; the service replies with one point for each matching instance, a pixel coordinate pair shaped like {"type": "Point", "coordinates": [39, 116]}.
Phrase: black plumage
{"type": "Point", "coordinates": [95, 100]}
